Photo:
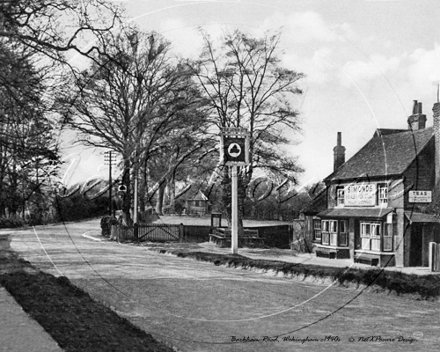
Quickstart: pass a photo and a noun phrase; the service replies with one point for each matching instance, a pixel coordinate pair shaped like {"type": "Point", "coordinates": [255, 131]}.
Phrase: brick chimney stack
{"type": "Point", "coordinates": [417, 121]}
{"type": "Point", "coordinates": [436, 127]}
{"type": "Point", "coordinates": [339, 154]}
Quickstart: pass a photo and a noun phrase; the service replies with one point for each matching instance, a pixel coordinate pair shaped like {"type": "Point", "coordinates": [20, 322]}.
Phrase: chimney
{"type": "Point", "coordinates": [339, 153]}
{"type": "Point", "coordinates": [436, 128]}
{"type": "Point", "coordinates": [417, 121]}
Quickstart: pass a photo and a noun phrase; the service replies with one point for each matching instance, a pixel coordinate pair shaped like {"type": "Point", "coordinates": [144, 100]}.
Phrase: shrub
{"type": "Point", "coordinates": [106, 225]}
{"type": "Point", "coordinates": [11, 223]}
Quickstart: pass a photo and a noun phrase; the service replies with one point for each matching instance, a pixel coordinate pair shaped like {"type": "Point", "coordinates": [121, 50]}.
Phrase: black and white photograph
{"type": "Point", "coordinates": [219, 175]}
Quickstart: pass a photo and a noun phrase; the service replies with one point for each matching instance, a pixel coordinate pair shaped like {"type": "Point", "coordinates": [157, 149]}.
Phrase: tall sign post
{"type": "Point", "coordinates": [110, 159]}
{"type": "Point", "coordinates": [234, 152]}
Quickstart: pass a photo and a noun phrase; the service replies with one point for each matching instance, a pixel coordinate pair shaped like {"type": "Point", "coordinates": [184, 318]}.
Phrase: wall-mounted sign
{"type": "Point", "coordinates": [360, 195]}
{"type": "Point", "coordinates": [235, 146]}
{"type": "Point", "coordinates": [420, 196]}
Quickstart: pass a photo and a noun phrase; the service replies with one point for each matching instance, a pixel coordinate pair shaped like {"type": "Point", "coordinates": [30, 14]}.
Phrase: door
{"type": "Point", "coordinates": [415, 250]}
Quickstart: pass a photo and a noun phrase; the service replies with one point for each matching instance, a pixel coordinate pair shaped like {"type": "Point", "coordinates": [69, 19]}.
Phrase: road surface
{"type": "Point", "coordinates": [198, 306]}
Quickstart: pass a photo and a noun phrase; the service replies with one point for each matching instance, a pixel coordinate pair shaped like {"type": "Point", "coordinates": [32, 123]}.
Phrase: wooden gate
{"type": "Point", "coordinates": [434, 256]}
{"type": "Point", "coordinates": [150, 232]}
{"type": "Point", "coordinates": [159, 232]}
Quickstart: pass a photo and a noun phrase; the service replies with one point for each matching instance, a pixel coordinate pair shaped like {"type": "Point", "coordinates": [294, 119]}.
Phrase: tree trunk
{"type": "Point", "coordinates": [160, 196]}
{"type": "Point", "coordinates": [127, 197]}
{"type": "Point", "coordinates": [172, 195]}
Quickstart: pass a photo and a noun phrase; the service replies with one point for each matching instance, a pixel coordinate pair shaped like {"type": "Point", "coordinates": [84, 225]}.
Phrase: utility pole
{"type": "Point", "coordinates": [110, 159]}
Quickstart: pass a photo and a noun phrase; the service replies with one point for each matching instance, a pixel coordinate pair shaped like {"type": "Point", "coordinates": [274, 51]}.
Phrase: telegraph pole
{"type": "Point", "coordinates": [109, 160]}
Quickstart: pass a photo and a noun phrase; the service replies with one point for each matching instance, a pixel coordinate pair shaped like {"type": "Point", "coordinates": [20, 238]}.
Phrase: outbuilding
{"type": "Point", "coordinates": [372, 209]}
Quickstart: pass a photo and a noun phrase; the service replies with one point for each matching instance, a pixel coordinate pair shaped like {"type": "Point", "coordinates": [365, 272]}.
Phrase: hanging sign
{"type": "Point", "coordinates": [234, 146]}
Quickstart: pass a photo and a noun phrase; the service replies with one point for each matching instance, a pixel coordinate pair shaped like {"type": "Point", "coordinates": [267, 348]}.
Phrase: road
{"type": "Point", "coordinates": [198, 306]}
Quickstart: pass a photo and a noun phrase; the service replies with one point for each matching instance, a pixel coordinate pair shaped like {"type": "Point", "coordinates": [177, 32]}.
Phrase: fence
{"type": "Point", "coordinates": [274, 236]}
{"type": "Point", "coordinates": [434, 256]}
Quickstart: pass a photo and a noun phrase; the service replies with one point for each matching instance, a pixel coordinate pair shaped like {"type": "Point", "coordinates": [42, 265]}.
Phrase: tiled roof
{"type": "Point", "coordinates": [385, 154]}
{"type": "Point", "coordinates": [421, 217]}
{"type": "Point", "coordinates": [199, 196]}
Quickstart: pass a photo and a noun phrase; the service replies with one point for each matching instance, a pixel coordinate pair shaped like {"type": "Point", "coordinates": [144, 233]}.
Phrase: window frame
{"type": "Point", "coordinates": [371, 235]}
{"type": "Point", "coordinates": [317, 229]}
{"type": "Point", "coordinates": [340, 196]}
{"type": "Point", "coordinates": [382, 195]}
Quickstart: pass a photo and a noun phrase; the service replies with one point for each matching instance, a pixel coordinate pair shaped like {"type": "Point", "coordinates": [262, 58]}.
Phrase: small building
{"type": "Point", "coordinates": [197, 204]}
{"type": "Point", "coordinates": [372, 207]}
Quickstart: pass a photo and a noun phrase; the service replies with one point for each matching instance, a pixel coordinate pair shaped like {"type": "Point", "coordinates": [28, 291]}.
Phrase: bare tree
{"type": "Point", "coordinates": [56, 27]}
{"type": "Point", "coordinates": [136, 104]}
{"type": "Point", "coordinates": [247, 87]}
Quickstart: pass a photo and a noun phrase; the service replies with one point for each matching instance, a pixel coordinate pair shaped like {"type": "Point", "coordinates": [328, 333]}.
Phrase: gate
{"type": "Point", "coordinates": [434, 256]}
{"type": "Point", "coordinates": [159, 232]}
{"type": "Point", "coordinates": [150, 232]}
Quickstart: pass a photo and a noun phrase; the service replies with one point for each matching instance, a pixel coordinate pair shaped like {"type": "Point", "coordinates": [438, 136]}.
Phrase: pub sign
{"type": "Point", "coordinates": [234, 146]}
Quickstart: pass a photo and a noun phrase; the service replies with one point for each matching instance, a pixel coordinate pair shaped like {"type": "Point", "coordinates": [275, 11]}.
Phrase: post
{"type": "Point", "coordinates": [234, 210]}
{"type": "Point", "coordinates": [110, 182]}
{"type": "Point", "coordinates": [135, 205]}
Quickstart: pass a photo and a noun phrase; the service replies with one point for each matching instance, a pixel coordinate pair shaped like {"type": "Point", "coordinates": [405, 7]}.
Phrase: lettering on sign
{"type": "Point", "coordinates": [360, 195]}
{"type": "Point", "coordinates": [420, 196]}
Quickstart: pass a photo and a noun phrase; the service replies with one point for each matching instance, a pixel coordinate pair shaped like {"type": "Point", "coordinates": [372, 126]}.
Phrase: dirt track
{"type": "Point", "coordinates": [201, 307]}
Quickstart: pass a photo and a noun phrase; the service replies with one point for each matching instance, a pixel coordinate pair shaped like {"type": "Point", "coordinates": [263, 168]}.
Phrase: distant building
{"type": "Point", "coordinates": [371, 209]}
{"type": "Point", "coordinates": [197, 204]}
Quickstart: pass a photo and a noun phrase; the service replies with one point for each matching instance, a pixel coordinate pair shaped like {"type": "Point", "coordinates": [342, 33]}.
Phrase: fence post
{"type": "Point", "coordinates": [181, 230]}
{"type": "Point", "coordinates": [136, 232]}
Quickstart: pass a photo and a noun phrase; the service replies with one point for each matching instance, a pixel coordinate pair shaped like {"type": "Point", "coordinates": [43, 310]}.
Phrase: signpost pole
{"type": "Point", "coordinates": [234, 210]}
{"type": "Point", "coordinates": [110, 182]}
{"type": "Point", "coordinates": [135, 205]}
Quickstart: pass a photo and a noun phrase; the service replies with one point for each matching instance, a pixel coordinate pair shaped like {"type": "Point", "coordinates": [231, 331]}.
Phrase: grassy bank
{"type": "Point", "coordinates": [73, 319]}
{"type": "Point", "coordinates": [425, 287]}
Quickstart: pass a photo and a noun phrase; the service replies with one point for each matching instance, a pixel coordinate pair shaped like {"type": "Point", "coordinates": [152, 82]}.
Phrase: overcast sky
{"type": "Point", "coordinates": [365, 61]}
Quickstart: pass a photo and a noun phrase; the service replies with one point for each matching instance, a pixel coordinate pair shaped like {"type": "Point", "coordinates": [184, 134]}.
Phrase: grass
{"type": "Point", "coordinates": [73, 319]}
{"type": "Point", "coordinates": [426, 287]}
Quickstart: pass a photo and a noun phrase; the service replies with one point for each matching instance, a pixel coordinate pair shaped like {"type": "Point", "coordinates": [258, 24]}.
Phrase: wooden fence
{"type": "Point", "coordinates": [434, 256]}
{"type": "Point", "coordinates": [274, 236]}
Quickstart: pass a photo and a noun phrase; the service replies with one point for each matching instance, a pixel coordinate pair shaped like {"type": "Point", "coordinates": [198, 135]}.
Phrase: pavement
{"type": "Point", "coordinates": [19, 332]}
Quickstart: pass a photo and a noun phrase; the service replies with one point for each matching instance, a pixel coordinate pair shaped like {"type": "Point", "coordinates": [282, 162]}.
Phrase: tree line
{"type": "Point", "coordinates": [159, 112]}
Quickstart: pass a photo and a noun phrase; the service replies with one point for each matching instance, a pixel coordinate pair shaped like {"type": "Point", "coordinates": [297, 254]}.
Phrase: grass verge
{"type": "Point", "coordinates": [73, 319]}
{"type": "Point", "coordinates": [425, 287]}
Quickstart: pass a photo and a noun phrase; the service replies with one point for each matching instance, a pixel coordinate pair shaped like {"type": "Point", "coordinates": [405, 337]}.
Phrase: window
{"type": "Point", "coordinates": [334, 233]}
{"type": "Point", "coordinates": [317, 230]}
{"type": "Point", "coordinates": [340, 196]}
{"type": "Point", "coordinates": [382, 195]}
{"type": "Point", "coordinates": [325, 232]}
{"type": "Point", "coordinates": [343, 233]}
{"type": "Point", "coordinates": [388, 238]}
{"type": "Point", "coordinates": [370, 236]}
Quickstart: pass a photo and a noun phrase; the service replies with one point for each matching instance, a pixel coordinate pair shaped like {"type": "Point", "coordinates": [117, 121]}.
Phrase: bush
{"type": "Point", "coordinates": [106, 225]}
{"type": "Point", "coordinates": [11, 223]}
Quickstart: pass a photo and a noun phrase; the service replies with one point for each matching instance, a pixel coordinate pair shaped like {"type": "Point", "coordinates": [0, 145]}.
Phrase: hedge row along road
{"type": "Point", "coordinates": [197, 306]}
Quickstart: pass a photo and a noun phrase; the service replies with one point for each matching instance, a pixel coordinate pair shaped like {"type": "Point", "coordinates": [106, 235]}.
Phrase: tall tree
{"type": "Point", "coordinates": [135, 103]}
{"type": "Point", "coordinates": [247, 87]}
{"type": "Point", "coordinates": [56, 27]}
{"type": "Point", "coordinates": [28, 150]}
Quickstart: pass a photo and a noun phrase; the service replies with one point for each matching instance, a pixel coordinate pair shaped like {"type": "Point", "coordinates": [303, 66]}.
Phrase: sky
{"type": "Point", "coordinates": [365, 61]}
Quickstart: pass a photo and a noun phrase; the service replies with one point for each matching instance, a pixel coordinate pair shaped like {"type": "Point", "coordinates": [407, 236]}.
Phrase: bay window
{"type": "Point", "coordinates": [334, 233]}
{"type": "Point", "coordinates": [370, 236]}
{"type": "Point", "coordinates": [317, 230]}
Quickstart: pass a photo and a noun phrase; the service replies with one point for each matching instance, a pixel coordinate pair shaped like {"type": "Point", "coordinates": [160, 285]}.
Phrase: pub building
{"type": "Point", "coordinates": [371, 209]}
